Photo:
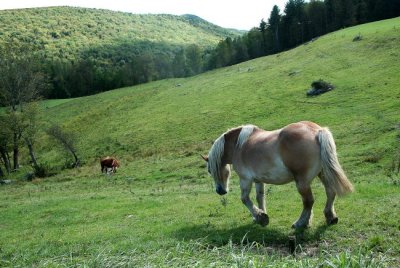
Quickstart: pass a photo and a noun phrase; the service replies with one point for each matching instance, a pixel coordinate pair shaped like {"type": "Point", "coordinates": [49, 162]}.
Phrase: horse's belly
{"type": "Point", "coordinates": [277, 173]}
{"type": "Point", "coordinates": [275, 177]}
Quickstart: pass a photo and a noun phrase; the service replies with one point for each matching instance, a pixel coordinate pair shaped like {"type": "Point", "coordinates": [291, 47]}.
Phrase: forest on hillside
{"type": "Point", "coordinates": [300, 22]}
{"type": "Point", "coordinates": [82, 51]}
{"type": "Point", "coordinates": [85, 51]}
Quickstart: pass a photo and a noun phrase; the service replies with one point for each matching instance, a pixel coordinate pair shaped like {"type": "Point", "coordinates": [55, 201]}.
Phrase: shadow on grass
{"type": "Point", "coordinates": [251, 233]}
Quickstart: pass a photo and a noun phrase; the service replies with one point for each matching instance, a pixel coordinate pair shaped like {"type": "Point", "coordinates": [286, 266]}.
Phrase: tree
{"type": "Point", "coordinates": [316, 13]}
{"type": "Point", "coordinates": [21, 82]}
{"type": "Point", "coordinates": [340, 13]}
{"type": "Point", "coordinates": [253, 41]}
{"type": "Point", "coordinates": [331, 14]}
{"type": "Point", "coordinates": [5, 139]}
{"type": "Point", "coordinates": [31, 127]}
{"type": "Point", "coordinates": [294, 23]}
{"type": "Point", "coordinates": [263, 30]}
{"type": "Point", "coordinates": [224, 53]}
{"type": "Point", "coordinates": [179, 63]}
{"type": "Point", "coordinates": [383, 9]}
{"type": "Point", "coordinates": [361, 10]}
{"type": "Point", "coordinates": [348, 13]}
{"type": "Point", "coordinates": [66, 139]}
{"type": "Point", "coordinates": [274, 22]}
{"type": "Point", "coordinates": [241, 51]}
{"type": "Point", "coordinates": [193, 60]}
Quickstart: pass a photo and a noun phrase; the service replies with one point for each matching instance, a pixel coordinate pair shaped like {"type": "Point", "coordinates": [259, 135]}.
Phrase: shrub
{"type": "Point", "coordinates": [319, 87]}
{"type": "Point", "coordinates": [42, 171]}
{"type": "Point", "coordinates": [357, 38]}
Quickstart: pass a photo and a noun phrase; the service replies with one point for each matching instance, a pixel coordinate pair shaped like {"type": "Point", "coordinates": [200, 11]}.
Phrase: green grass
{"type": "Point", "coordinates": [160, 209]}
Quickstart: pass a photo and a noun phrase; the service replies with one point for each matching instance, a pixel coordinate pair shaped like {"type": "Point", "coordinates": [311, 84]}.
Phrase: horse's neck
{"type": "Point", "coordinates": [231, 138]}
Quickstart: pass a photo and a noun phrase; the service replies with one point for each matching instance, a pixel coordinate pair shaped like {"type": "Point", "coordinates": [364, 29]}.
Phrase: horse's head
{"type": "Point", "coordinates": [222, 182]}
{"type": "Point", "coordinates": [221, 176]}
{"type": "Point", "coordinates": [216, 166]}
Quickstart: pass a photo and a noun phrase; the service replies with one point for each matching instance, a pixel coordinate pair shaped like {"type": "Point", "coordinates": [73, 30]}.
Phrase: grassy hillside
{"type": "Point", "coordinates": [160, 209]}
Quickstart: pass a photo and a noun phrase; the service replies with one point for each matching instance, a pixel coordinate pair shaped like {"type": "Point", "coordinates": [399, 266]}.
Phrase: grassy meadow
{"type": "Point", "coordinates": [160, 208]}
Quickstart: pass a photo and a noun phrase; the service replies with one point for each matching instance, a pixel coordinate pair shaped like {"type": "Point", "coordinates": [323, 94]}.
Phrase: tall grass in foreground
{"type": "Point", "coordinates": [198, 253]}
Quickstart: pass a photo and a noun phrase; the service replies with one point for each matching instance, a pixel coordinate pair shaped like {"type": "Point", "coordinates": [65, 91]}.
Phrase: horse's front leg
{"type": "Point", "coordinates": [260, 196]}
{"type": "Point", "coordinates": [258, 214]}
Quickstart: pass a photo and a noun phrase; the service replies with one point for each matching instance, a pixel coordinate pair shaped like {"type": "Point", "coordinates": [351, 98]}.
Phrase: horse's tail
{"type": "Point", "coordinates": [333, 175]}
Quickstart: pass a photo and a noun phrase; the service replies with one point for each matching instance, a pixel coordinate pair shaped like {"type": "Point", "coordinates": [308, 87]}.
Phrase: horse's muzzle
{"type": "Point", "coordinates": [220, 190]}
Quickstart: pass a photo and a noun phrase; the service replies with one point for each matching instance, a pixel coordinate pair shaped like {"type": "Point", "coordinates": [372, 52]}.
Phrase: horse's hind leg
{"type": "Point", "coordinates": [308, 201]}
{"type": "Point", "coordinates": [329, 210]}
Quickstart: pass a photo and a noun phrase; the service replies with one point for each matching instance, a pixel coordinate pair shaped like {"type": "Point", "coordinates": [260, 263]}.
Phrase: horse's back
{"type": "Point", "coordinates": [299, 148]}
{"type": "Point", "coordinates": [300, 131]}
{"type": "Point", "coordinates": [259, 158]}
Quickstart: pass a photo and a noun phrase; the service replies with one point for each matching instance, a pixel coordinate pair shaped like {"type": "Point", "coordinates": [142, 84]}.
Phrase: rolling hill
{"type": "Point", "coordinates": [86, 51]}
{"type": "Point", "coordinates": [67, 32]}
{"type": "Point", "coordinates": [160, 208]}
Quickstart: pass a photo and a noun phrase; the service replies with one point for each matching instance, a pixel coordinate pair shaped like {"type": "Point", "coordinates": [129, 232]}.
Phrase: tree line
{"type": "Point", "coordinates": [300, 22]}
{"type": "Point", "coordinates": [95, 72]}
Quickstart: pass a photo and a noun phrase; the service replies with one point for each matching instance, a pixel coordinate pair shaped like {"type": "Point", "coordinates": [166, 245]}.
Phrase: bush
{"type": "Point", "coordinates": [357, 38]}
{"type": "Point", "coordinates": [319, 87]}
{"type": "Point", "coordinates": [42, 171]}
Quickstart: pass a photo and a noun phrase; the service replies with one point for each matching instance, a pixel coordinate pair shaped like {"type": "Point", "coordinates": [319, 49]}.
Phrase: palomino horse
{"type": "Point", "coordinates": [109, 163]}
{"type": "Point", "coordinates": [299, 152]}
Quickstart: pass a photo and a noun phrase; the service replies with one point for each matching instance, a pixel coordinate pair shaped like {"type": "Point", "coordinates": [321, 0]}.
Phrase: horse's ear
{"type": "Point", "coordinates": [204, 157]}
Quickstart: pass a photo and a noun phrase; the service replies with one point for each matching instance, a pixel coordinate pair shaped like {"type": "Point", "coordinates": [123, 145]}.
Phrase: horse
{"type": "Point", "coordinates": [297, 152]}
{"type": "Point", "coordinates": [109, 163]}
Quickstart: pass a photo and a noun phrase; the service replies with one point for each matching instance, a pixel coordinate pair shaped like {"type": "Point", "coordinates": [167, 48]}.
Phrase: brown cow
{"type": "Point", "coordinates": [109, 163]}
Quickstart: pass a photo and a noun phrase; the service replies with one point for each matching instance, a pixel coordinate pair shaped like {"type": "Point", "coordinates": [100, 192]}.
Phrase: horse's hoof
{"type": "Point", "coordinates": [262, 219]}
{"type": "Point", "coordinates": [300, 226]}
{"type": "Point", "coordinates": [333, 221]}
{"type": "Point", "coordinates": [296, 226]}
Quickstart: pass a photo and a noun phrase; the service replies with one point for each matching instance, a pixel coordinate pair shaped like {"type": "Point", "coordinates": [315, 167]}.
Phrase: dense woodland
{"type": "Point", "coordinates": [85, 51]}
{"type": "Point", "coordinates": [300, 22]}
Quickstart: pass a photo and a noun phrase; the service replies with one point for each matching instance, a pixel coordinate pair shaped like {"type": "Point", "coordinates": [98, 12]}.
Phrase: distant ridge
{"type": "Point", "coordinates": [200, 22]}
{"type": "Point", "coordinates": [107, 45]}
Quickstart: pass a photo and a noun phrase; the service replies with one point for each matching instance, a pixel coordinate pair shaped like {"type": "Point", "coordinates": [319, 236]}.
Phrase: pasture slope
{"type": "Point", "coordinates": [160, 209]}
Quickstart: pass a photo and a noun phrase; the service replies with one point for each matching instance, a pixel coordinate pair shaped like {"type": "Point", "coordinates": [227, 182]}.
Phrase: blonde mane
{"type": "Point", "coordinates": [244, 134]}
{"type": "Point", "coordinates": [215, 156]}
{"type": "Point", "coordinates": [217, 150]}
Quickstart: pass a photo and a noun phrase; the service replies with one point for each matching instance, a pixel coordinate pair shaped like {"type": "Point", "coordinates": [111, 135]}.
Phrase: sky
{"type": "Point", "coordinates": [241, 15]}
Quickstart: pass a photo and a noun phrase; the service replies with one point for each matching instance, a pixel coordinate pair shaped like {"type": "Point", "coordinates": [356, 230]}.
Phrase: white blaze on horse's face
{"type": "Point", "coordinates": [222, 182]}
{"type": "Point", "coordinates": [217, 167]}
